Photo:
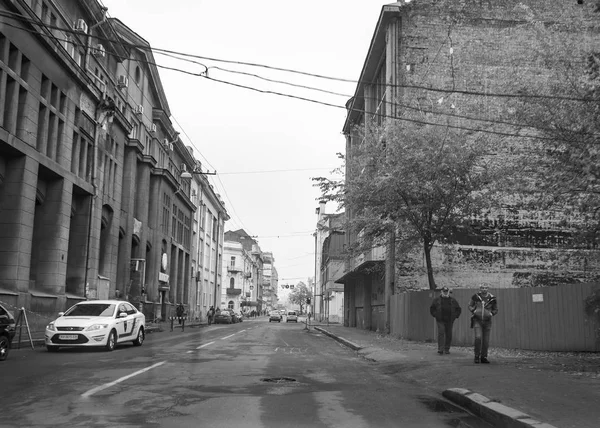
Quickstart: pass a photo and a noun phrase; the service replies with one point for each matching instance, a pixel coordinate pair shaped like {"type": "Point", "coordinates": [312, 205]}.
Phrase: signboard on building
{"type": "Point", "coordinates": [163, 276]}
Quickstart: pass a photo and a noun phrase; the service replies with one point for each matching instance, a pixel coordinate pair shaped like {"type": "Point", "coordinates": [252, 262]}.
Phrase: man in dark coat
{"type": "Point", "coordinates": [483, 306]}
{"type": "Point", "coordinates": [445, 309]}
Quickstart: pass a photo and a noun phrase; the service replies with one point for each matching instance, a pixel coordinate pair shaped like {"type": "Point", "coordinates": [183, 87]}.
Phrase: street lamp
{"type": "Point", "coordinates": [188, 174]}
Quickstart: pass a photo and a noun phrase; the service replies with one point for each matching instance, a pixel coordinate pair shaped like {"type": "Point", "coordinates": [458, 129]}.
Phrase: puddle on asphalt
{"type": "Point", "coordinates": [457, 416]}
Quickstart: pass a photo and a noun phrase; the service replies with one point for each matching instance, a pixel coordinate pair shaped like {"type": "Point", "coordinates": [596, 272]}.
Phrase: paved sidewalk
{"type": "Point", "coordinates": [518, 388]}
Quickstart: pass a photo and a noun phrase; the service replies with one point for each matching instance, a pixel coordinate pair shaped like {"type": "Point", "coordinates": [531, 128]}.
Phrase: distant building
{"type": "Point", "coordinates": [256, 266]}
{"type": "Point", "coordinates": [329, 259]}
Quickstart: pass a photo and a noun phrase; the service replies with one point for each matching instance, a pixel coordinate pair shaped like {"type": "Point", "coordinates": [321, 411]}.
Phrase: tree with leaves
{"type": "Point", "coordinates": [299, 295]}
{"type": "Point", "coordinates": [420, 181]}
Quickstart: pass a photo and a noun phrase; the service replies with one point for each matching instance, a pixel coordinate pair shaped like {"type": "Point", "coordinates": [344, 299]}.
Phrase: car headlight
{"type": "Point", "coordinates": [51, 327]}
{"type": "Point", "coordinates": [96, 327]}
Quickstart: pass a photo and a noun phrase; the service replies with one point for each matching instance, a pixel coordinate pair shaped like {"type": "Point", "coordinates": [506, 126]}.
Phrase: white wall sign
{"type": "Point", "coordinates": [538, 298]}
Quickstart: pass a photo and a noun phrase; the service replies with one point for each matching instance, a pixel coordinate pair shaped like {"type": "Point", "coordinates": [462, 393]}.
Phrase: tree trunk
{"type": "Point", "coordinates": [427, 249]}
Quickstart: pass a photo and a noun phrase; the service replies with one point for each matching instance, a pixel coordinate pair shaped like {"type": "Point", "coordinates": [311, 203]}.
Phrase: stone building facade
{"type": "Point", "coordinates": [465, 63]}
{"type": "Point", "coordinates": [92, 203]}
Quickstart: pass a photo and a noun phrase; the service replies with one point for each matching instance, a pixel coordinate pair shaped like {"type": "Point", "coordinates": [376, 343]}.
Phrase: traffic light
{"type": "Point", "coordinates": [308, 300]}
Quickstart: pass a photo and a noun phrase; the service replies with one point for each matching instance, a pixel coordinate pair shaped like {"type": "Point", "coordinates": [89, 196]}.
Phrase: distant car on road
{"type": "Point", "coordinates": [96, 323]}
{"type": "Point", "coordinates": [7, 331]}
{"type": "Point", "coordinates": [292, 316]}
{"type": "Point", "coordinates": [275, 316]}
{"type": "Point", "coordinates": [224, 316]}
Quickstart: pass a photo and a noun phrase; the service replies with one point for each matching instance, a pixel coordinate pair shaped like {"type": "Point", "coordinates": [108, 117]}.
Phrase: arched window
{"type": "Point", "coordinates": [231, 282]}
{"type": "Point", "coordinates": [230, 304]}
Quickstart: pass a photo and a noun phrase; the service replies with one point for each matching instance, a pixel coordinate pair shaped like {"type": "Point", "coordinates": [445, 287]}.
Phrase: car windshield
{"type": "Point", "coordinates": [91, 310]}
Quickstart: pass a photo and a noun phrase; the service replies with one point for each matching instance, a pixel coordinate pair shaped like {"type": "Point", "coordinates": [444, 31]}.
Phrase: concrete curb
{"type": "Point", "coordinates": [343, 341]}
{"type": "Point", "coordinates": [491, 411]}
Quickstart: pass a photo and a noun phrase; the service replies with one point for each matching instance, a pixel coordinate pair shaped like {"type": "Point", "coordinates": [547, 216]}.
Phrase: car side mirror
{"type": "Point", "coordinates": [60, 314]}
{"type": "Point", "coordinates": [123, 315]}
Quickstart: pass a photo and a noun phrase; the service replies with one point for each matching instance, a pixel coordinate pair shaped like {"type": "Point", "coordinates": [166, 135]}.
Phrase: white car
{"type": "Point", "coordinates": [291, 316]}
{"type": "Point", "coordinates": [96, 323]}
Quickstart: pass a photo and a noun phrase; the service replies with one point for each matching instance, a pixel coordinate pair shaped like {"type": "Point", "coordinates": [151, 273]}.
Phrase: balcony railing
{"type": "Point", "coordinates": [375, 254]}
{"type": "Point", "coordinates": [233, 268]}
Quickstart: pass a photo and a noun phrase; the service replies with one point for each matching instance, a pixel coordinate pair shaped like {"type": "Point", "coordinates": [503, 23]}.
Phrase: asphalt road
{"type": "Point", "coordinates": [253, 374]}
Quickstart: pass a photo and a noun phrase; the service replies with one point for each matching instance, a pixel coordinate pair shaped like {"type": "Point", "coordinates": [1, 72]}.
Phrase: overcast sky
{"type": "Point", "coordinates": [264, 147]}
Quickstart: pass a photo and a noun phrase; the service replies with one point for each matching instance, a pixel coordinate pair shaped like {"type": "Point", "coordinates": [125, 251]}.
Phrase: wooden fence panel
{"type": "Point", "coordinates": [555, 321]}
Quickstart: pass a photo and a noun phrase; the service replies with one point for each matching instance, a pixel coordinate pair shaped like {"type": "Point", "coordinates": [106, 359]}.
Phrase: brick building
{"type": "Point", "coordinates": [457, 62]}
{"type": "Point", "coordinates": [92, 202]}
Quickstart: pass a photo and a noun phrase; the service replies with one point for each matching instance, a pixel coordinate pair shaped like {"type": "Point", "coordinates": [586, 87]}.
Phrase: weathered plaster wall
{"type": "Point", "coordinates": [475, 47]}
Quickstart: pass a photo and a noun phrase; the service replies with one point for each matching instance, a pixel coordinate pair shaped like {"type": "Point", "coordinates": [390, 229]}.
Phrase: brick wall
{"type": "Point", "coordinates": [495, 47]}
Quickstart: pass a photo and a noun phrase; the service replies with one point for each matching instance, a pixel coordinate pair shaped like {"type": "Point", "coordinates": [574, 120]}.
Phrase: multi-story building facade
{"type": "Point", "coordinates": [330, 264]}
{"type": "Point", "coordinates": [450, 64]}
{"type": "Point", "coordinates": [237, 272]}
{"type": "Point", "coordinates": [92, 201]}
{"type": "Point", "coordinates": [255, 276]}
{"type": "Point", "coordinates": [270, 282]}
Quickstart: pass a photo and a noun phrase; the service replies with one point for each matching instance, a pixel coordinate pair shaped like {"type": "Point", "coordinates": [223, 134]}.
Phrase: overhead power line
{"type": "Point", "coordinates": [320, 76]}
{"type": "Point", "coordinates": [361, 111]}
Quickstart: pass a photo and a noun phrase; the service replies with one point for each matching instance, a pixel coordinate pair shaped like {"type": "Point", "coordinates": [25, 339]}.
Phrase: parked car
{"type": "Point", "coordinates": [96, 323]}
{"type": "Point", "coordinates": [275, 316]}
{"type": "Point", "coordinates": [7, 331]}
{"type": "Point", "coordinates": [292, 316]}
{"type": "Point", "coordinates": [224, 316]}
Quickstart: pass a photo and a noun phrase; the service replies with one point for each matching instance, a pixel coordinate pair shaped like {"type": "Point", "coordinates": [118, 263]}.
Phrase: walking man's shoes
{"type": "Point", "coordinates": [476, 360]}
{"type": "Point", "coordinates": [484, 360]}
{"type": "Point", "coordinates": [440, 352]}
{"type": "Point", "coordinates": [446, 351]}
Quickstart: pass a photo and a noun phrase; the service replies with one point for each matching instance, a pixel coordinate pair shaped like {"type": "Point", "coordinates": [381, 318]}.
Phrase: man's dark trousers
{"type": "Point", "coordinates": [444, 335]}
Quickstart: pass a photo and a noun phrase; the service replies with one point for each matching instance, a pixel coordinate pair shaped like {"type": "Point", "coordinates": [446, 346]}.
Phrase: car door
{"type": "Point", "coordinates": [130, 321]}
{"type": "Point", "coordinates": [122, 323]}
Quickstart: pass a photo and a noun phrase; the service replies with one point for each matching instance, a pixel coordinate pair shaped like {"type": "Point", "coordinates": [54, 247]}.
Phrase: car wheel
{"type": "Point", "coordinates": [4, 347]}
{"type": "Point", "coordinates": [111, 342]}
{"type": "Point", "coordinates": [270, 320]}
{"type": "Point", "coordinates": [140, 337]}
{"type": "Point", "coordinates": [52, 348]}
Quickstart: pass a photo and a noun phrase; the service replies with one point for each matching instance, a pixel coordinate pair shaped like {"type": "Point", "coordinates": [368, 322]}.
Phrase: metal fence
{"type": "Point", "coordinates": [539, 318]}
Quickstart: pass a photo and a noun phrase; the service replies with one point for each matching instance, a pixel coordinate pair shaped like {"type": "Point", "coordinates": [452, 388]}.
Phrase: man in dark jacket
{"type": "Point", "coordinates": [445, 309]}
{"type": "Point", "coordinates": [483, 306]}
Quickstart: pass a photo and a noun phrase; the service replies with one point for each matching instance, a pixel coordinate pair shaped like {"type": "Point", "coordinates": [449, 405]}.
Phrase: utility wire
{"type": "Point", "coordinates": [425, 88]}
{"type": "Point", "coordinates": [422, 122]}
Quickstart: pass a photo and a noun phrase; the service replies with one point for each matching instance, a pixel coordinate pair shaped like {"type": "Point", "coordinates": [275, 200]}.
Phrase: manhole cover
{"type": "Point", "coordinates": [278, 379]}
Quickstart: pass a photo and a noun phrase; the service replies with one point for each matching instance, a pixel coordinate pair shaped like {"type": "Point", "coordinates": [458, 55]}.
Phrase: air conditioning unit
{"type": "Point", "coordinates": [183, 167]}
{"type": "Point", "coordinates": [153, 127]}
{"type": "Point", "coordinates": [166, 143]}
{"type": "Point", "coordinates": [171, 146]}
{"type": "Point", "coordinates": [122, 81]}
{"type": "Point", "coordinates": [139, 109]}
{"type": "Point", "coordinates": [99, 51]}
{"type": "Point", "coordinates": [81, 25]}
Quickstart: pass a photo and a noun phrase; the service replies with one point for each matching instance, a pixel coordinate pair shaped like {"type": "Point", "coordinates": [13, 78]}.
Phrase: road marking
{"type": "Point", "coordinates": [241, 330]}
{"type": "Point", "coordinates": [113, 383]}
{"type": "Point", "coordinates": [286, 344]}
{"type": "Point", "coordinates": [227, 337]}
{"type": "Point", "coordinates": [206, 344]}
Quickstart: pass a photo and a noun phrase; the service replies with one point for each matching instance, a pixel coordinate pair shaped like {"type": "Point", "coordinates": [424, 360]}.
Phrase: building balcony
{"type": "Point", "coordinates": [365, 260]}
{"type": "Point", "coordinates": [231, 268]}
{"type": "Point", "coordinates": [234, 291]}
